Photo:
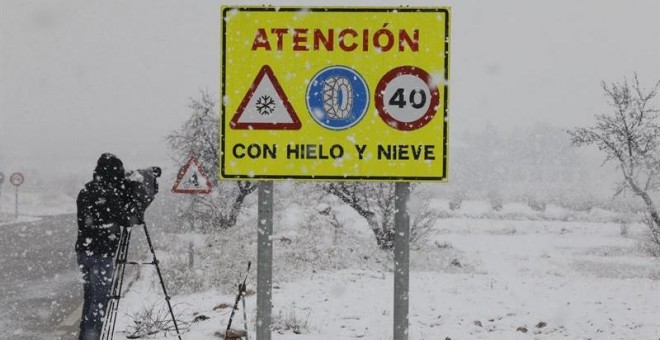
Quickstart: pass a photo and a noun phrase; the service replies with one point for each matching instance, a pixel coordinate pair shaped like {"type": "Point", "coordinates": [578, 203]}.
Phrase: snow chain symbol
{"type": "Point", "coordinates": [337, 97]}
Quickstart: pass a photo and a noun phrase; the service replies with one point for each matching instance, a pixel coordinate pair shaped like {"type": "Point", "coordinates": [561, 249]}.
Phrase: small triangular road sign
{"type": "Point", "coordinates": [192, 179]}
{"type": "Point", "coordinates": [265, 106]}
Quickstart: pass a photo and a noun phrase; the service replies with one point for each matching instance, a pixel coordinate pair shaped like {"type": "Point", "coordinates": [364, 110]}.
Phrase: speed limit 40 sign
{"type": "Point", "coordinates": [406, 98]}
{"type": "Point", "coordinates": [334, 93]}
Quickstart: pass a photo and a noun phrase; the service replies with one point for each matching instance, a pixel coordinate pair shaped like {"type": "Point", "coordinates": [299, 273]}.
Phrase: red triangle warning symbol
{"type": "Point", "coordinates": [192, 179]}
{"type": "Point", "coordinates": [265, 106]}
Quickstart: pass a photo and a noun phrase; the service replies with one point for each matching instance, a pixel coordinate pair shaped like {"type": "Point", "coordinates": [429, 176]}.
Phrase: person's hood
{"type": "Point", "coordinates": [109, 169]}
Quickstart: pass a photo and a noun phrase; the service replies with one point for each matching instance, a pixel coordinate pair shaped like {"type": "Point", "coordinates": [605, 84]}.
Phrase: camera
{"type": "Point", "coordinates": [142, 185]}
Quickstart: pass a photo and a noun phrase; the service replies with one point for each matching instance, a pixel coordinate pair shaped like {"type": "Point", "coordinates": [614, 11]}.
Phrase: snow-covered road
{"type": "Point", "coordinates": [39, 284]}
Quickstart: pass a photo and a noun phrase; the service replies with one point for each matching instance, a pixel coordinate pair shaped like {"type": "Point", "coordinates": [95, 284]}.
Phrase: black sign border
{"type": "Point", "coordinates": [441, 178]}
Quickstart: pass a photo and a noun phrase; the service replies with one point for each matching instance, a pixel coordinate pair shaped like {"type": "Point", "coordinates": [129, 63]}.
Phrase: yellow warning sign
{"type": "Point", "coordinates": [334, 93]}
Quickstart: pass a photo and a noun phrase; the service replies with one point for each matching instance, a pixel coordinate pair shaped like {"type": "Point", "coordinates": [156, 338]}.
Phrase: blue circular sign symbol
{"type": "Point", "coordinates": [337, 97]}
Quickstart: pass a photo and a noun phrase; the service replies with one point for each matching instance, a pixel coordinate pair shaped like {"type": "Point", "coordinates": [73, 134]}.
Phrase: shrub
{"type": "Point", "coordinates": [152, 320]}
{"type": "Point", "coordinates": [290, 321]}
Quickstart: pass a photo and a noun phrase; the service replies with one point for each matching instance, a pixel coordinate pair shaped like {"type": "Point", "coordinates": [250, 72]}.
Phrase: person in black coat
{"type": "Point", "coordinates": [104, 206]}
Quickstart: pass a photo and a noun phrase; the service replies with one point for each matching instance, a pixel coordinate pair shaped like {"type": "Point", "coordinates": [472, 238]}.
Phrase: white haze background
{"type": "Point", "coordinates": [78, 78]}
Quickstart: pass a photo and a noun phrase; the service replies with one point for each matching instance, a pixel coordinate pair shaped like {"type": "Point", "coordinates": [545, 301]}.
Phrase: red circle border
{"type": "Point", "coordinates": [382, 111]}
{"type": "Point", "coordinates": [16, 179]}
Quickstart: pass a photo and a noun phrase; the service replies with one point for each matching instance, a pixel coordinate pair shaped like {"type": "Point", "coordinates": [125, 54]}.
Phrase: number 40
{"type": "Point", "coordinates": [417, 98]}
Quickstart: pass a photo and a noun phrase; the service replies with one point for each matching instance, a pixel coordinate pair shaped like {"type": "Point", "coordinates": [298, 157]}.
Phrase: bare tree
{"type": "Point", "coordinates": [199, 136]}
{"type": "Point", "coordinates": [630, 137]}
{"type": "Point", "coordinates": [375, 202]}
{"type": "Point", "coordinates": [422, 222]}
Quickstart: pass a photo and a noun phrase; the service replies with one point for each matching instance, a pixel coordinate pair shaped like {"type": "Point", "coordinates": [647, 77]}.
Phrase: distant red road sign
{"type": "Point", "coordinates": [16, 179]}
{"type": "Point", "coordinates": [192, 179]}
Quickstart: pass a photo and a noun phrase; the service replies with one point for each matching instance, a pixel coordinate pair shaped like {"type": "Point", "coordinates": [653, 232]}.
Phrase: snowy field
{"type": "Point", "coordinates": [550, 275]}
{"type": "Point", "coordinates": [32, 204]}
{"type": "Point", "coordinates": [480, 274]}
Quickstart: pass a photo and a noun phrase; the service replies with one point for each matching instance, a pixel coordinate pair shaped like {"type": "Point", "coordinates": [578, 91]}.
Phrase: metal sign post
{"type": "Point", "coordinates": [193, 200]}
{"type": "Point", "coordinates": [17, 180]}
{"type": "Point", "coordinates": [401, 260]}
{"type": "Point", "coordinates": [2, 179]}
{"type": "Point", "coordinates": [265, 260]}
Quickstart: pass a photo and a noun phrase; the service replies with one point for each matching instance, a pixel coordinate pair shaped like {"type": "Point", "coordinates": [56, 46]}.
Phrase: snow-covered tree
{"type": "Point", "coordinates": [199, 136]}
{"type": "Point", "coordinates": [629, 136]}
{"type": "Point", "coordinates": [375, 202]}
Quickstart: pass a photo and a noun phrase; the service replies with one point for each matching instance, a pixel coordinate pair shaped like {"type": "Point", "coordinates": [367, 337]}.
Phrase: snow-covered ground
{"type": "Point", "coordinates": [32, 204]}
{"type": "Point", "coordinates": [532, 277]}
{"type": "Point", "coordinates": [515, 273]}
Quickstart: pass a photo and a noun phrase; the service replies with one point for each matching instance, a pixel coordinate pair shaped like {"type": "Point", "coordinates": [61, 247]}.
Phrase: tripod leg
{"type": "Point", "coordinates": [245, 319]}
{"type": "Point", "coordinates": [162, 283]}
{"type": "Point", "coordinates": [117, 283]}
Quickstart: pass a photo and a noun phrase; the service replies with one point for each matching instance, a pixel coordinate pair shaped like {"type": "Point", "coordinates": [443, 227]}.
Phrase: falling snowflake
{"type": "Point", "coordinates": [265, 105]}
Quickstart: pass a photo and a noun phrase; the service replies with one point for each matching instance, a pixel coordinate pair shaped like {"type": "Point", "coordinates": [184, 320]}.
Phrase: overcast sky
{"type": "Point", "coordinates": [78, 78]}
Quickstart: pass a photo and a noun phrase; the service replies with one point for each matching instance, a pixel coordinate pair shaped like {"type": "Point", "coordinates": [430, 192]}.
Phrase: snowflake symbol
{"type": "Point", "coordinates": [265, 105]}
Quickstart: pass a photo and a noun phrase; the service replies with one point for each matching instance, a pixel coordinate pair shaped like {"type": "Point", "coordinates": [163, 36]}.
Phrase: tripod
{"type": "Point", "coordinates": [118, 281]}
{"type": "Point", "coordinates": [240, 297]}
